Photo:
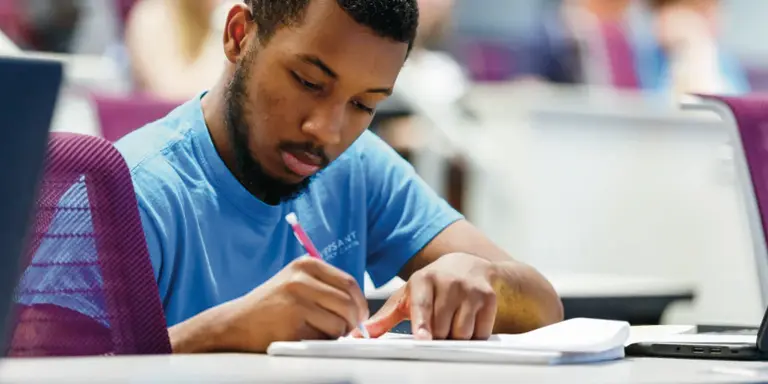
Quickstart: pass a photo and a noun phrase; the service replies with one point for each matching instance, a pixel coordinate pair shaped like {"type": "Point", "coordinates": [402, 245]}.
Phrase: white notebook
{"type": "Point", "coordinates": [569, 342]}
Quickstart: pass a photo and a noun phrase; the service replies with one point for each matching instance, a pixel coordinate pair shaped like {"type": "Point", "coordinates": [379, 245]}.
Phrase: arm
{"type": "Point", "coordinates": [525, 299]}
{"type": "Point", "coordinates": [416, 234]}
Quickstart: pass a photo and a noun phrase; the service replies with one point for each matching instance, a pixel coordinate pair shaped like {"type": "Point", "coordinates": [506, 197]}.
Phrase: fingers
{"type": "Point", "coordinates": [450, 308]}
{"type": "Point", "coordinates": [325, 322]}
{"type": "Point", "coordinates": [389, 316]}
{"type": "Point", "coordinates": [485, 319]}
{"type": "Point", "coordinates": [338, 279]}
{"type": "Point", "coordinates": [463, 325]}
{"type": "Point", "coordinates": [421, 295]}
{"type": "Point", "coordinates": [447, 300]}
{"type": "Point", "coordinates": [325, 296]}
{"type": "Point", "coordinates": [475, 317]}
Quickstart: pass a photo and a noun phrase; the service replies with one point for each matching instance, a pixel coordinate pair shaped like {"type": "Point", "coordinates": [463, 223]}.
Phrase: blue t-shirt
{"type": "Point", "coordinates": [211, 241]}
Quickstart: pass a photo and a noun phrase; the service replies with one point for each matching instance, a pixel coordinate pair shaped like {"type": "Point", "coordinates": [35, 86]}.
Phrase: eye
{"type": "Point", "coordinates": [306, 84]}
{"type": "Point", "coordinates": [363, 107]}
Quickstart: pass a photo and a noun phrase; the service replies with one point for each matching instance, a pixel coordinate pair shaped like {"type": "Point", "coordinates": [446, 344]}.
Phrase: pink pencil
{"type": "Point", "coordinates": [302, 236]}
{"type": "Point", "coordinates": [305, 242]}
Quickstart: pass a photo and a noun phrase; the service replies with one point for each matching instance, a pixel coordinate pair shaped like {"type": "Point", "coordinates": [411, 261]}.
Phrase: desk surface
{"type": "Point", "coordinates": [259, 368]}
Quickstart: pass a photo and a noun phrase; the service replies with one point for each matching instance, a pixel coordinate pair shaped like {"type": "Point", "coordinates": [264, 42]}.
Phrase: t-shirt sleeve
{"type": "Point", "coordinates": [404, 213]}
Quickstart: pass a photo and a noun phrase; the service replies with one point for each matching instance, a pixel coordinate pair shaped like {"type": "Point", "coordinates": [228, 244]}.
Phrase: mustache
{"type": "Point", "coordinates": [308, 148]}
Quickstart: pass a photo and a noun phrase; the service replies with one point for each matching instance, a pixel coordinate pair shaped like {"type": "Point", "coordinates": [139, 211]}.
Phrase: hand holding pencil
{"type": "Point", "coordinates": [308, 300]}
{"type": "Point", "coordinates": [306, 242]}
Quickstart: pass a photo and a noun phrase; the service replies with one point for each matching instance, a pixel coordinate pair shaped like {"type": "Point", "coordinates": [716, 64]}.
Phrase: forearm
{"type": "Point", "coordinates": [525, 299]}
{"type": "Point", "coordinates": [203, 333]}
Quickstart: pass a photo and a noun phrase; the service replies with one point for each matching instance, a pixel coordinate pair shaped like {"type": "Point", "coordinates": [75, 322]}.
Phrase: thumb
{"type": "Point", "coordinates": [389, 316]}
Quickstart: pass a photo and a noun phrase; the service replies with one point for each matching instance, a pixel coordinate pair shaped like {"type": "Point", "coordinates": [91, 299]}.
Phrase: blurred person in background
{"type": "Point", "coordinates": [434, 22]}
{"type": "Point", "coordinates": [175, 46]}
{"type": "Point", "coordinates": [429, 75]}
{"type": "Point", "coordinates": [585, 42]}
{"type": "Point", "coordinates": [688, 57]}
{"type": "Point", "coordinates": [50, 24]}
{"type": "Point", "coordinates": [68, 26]}
{"type": "Point", "coordinates": [99, 28]}
{"type": "Point", "coordinates": [429, 71]}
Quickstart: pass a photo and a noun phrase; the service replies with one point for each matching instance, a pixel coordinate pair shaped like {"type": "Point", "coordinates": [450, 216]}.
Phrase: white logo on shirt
{"type": "Point", "coordinates": [341, 246]}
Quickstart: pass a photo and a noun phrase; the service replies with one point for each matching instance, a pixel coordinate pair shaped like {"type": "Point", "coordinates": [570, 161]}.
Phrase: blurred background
{"type": "Point", "coordinates": [554, 125]}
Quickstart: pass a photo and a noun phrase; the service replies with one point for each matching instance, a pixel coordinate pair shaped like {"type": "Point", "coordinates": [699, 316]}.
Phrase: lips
{"type": "Point", "coordinates": [302, 163]}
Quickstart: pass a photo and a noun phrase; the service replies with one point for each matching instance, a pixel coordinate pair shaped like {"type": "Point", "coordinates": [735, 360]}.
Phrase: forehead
{"type": "Point", "coordinates": [352, 50]}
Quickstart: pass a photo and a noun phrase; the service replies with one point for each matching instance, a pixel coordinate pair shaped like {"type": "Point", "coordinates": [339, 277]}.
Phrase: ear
{"type": "Point", "coordinates": [238, 32]}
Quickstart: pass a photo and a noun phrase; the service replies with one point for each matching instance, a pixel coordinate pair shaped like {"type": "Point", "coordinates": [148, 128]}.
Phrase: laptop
{"type": "Point", "coordinates": [28, 95]}
{"type": "Point", "coordinates": [731, 342]}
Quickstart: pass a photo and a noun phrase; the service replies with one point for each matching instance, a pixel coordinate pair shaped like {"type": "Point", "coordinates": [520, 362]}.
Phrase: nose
{"type": "Point", "coordinates": [325, 124]}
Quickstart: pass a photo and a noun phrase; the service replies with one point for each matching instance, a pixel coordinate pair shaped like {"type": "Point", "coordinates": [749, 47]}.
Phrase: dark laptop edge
{"type": "Point", "coordinates": [28, 101]}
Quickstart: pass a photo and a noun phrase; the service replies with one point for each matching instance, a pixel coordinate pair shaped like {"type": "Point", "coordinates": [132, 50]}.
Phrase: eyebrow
{"type": "Point", "coordinates": [314, 60]}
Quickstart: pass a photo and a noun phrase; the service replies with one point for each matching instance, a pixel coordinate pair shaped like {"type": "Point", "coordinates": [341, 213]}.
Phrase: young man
{"type": "Point", "coordinates": [284, 130]}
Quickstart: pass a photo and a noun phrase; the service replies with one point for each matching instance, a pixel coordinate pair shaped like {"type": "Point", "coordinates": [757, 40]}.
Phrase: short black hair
{"type": "Point", "coordinates": [394, 19]}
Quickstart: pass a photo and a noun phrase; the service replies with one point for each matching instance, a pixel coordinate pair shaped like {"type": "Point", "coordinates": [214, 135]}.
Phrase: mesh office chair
{"type": "Point", "coordinates": [87, 287]}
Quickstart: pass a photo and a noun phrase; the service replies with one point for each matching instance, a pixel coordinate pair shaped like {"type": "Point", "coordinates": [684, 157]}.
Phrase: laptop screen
{"type": "Point", "coordinates": [28, 97]}
{"type": "Point", "coordinates": [748, 118]}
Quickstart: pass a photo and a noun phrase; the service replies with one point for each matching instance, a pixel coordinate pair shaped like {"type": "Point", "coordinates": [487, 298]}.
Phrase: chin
{"type": "Point", "coordinates": [284, 175]}
{"type": "Point", "coordinates": [294, 179]}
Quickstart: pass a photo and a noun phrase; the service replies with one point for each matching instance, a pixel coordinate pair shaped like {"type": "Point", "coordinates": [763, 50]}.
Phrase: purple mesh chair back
{"type": "Point", "coordinates": [119, 116]}
{"type": "Point", "coordinates": [87, 287]}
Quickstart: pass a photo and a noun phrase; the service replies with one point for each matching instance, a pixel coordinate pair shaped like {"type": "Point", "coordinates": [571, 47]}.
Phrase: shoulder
{"type": "Point", "coordinates": [366, 164]}
{"type": "Point", "coordinates": [370, 147]}
{"type": "Point", "coordinates": [157, 155]}
{"type": "Point", "coordinates": [159, 138]}
{"type": "Point", "coordinates": [381, 166]}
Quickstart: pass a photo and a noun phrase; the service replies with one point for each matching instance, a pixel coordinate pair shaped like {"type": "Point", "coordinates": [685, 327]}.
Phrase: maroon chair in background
{"type": "Point", "coordinates": [121, 115]}
{"type": "Point", "coordinates": [488, 61]}
{"type": "Point", "coordinates": [87, 287]}
{"type": "Point", "coordinates": [12, 21]}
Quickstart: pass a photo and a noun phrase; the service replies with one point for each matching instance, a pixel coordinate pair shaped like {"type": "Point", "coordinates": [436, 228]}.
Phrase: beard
{"type": "Point", "coordinates": [248, 170]}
